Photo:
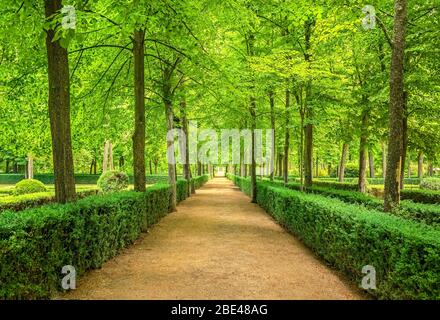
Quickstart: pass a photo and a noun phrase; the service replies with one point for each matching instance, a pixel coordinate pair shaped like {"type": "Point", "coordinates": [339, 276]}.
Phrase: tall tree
{"type": "Point", "coordinates": [59, 108]}
{"type": "Point", "coordinates": [396, 112]}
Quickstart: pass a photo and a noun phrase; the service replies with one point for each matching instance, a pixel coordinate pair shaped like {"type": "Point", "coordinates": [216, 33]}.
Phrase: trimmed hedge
{"type": "Point", "coordinates": [29, 186]}
{"type": "Point", "coordinates": [428, 214]}
{"type": "Point", "coordinates": [27, 201]}
{"type": "Point", "coordinates": [430, 184]}
{"type": "Point", "coordinates": [422, 196]}
{"type": "Point", "coordinates": [37, 243]}
{"type": "Point", "coordinates": [406, 255]}
{"type": "Point", "coordinates": [79, 178]}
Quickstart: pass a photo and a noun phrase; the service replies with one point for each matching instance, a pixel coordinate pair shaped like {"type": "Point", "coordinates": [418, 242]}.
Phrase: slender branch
{"type": "Point", "coordinates": [102, 46]}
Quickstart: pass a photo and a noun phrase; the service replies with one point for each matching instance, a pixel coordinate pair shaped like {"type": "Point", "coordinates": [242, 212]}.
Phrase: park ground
{"type": "Point", "coordinates": [217, 245]}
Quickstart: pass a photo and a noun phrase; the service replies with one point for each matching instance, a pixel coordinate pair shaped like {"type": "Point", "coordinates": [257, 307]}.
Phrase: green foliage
{"type": "Point", "coordinates": [349, 237]}
{"type": "Point", "coordinates": [336, 185]}
{"type": "Point", "coordinates": [423, 196]}
{"type": "Point", "coordinates": [26, 201]}
{"type": "Point", "coordinates": [28, 186]}
{"type": "Point", "coordinates": [430, 184]}
{"type": "Point", "coordinates": [112, 181]}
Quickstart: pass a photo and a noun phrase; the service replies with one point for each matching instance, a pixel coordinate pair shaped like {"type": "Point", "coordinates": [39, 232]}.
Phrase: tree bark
{"type": "Point", "coordinates": [287, 139]}
{"type": "Point", "coordinates": [105, 157]}
{"type": "Point", "coordinates": [420, 165]}
{"type": "Point", "coordinates": [371, 164]}
{"type": "Point", "coordinates": [343, 162]}
{"type": "Point", "coordinates": [404, 140]}
{"type": "Point", "coordinates": [30, 167]}
{"type": "Point", "coordinates": [139, 113]}
{"type": "Point", "coordinates": [362, 187]}
{"type": "Point", "coordinates": [59, 111]}
{"type": "Point", "coordinates": [272, 123]}
{"type": "Point", "coordinates": [186, 165]}
{"type": "Point", "coordinates": [253, 113]}
{"type": "Point", "coordinates": [392, 180]}
{"type": "Point", "coordinates": [384, 160]}
{"type": "Point", "coordinates": [430, 169]}
{"type": "Point", "coordinates": [308, 132]}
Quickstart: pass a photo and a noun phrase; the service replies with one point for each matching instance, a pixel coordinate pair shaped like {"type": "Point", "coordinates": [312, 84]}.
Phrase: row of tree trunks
{"type": "Point", "coordinates": [59, 110]}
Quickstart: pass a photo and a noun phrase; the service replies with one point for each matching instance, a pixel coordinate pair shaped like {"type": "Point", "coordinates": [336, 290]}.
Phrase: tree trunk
{"type": "Point", "coordinates": [186, 165]}
{"type": "Point", "coordinates": [287, 139]}
{"type": "Point", "coordinates": [371, 164]}
{"type": "Point", "coordinates": [105, 157]}
{"type": "Point", "coordinates": [199, 168]}
{"type": "Point", "coordinates": [404, 140]}
{"type": "Point", "coordinates": [30, 167]}
{"type": "Point", "coordinates": [7, 166]}
{"type": "Point", "coordinates": [308, 132]}
{"type": "Point", "coordinates": [362, 187]}
{"type": "Point", "coordinates": [151, 167]}
{"type": "Point", "coordinates": [280, 164]}
{"type": "Point", "coordinates": [170, 147]}
{"type": "Point", "coordinates": [384, 160]}
{"type": "Point", "coordinates": [91, 166]}
{"type": "Point", "coordinates": [420, 165]}
{"type": "Point", "coordinates": [317, 166]}
{"type": "Point", "coordinates": [272, 123]}
{"type": "Point", "coordinates": [409, 168]}
{"type": "Point", "coordinates": [430, 169]}
{"type": "Point", "coordinates": [253, 113]}
{"type": "Point", "coordinates": [139, 113]}
{"type": "Point", "coordinates": [392, 180]}
{"type": "Point", "coordinates": [343, 162]}
{"type": "Point", "coordinates": [59, 111]}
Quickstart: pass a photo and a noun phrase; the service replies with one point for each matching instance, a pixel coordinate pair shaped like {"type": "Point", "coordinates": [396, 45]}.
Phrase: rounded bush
{"type": "Point", "coordinates": [29, 186]}
{"type": "Point", "coordinates": [112, 181]}
{"type": "Point", "coordinates": [430, 184]}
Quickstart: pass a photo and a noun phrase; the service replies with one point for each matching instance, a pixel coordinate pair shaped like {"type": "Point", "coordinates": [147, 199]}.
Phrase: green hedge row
{"type": "Point", "coordinates": [372, 181]}
{"type": "Point", "coordinates": [428, 214]}
{"type": "Point", "coordinates": [37, 243]}
{"type": "Point", "coordinates": [79, 178]}
{"type": "Point", "coordinates": [422, 196]}
{"type": "Point", "coordinates": [32, 200]}
{"type": "Point", "coordinates": [406, 255]}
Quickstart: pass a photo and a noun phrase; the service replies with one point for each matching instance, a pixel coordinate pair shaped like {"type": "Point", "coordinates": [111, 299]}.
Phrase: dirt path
{"type": "Point", "coordinates": [217, 246]}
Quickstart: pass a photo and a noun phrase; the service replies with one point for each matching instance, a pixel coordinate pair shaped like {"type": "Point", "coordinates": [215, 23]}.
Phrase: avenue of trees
{"type": "Point", "coordinates": [338, 96]}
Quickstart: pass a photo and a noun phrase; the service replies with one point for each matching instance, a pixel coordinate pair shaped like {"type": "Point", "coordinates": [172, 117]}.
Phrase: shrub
{"type": "Point", "coordinates": [28, 186]}
{"type": "Point", "coordinates": [422, 196]}
{"type": "Point", "coordinates": [112, 181]}
{"type": "Point", "coordinates": [424, 213]}
{"type": "Point", "coordinates": [406, 255]}
{"type": "Point", "coordinates": [38, 242]}
{"type": "Point", "coordinates": [26, 201]}
{"type": "Point", "coordinates": [430, 184]}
